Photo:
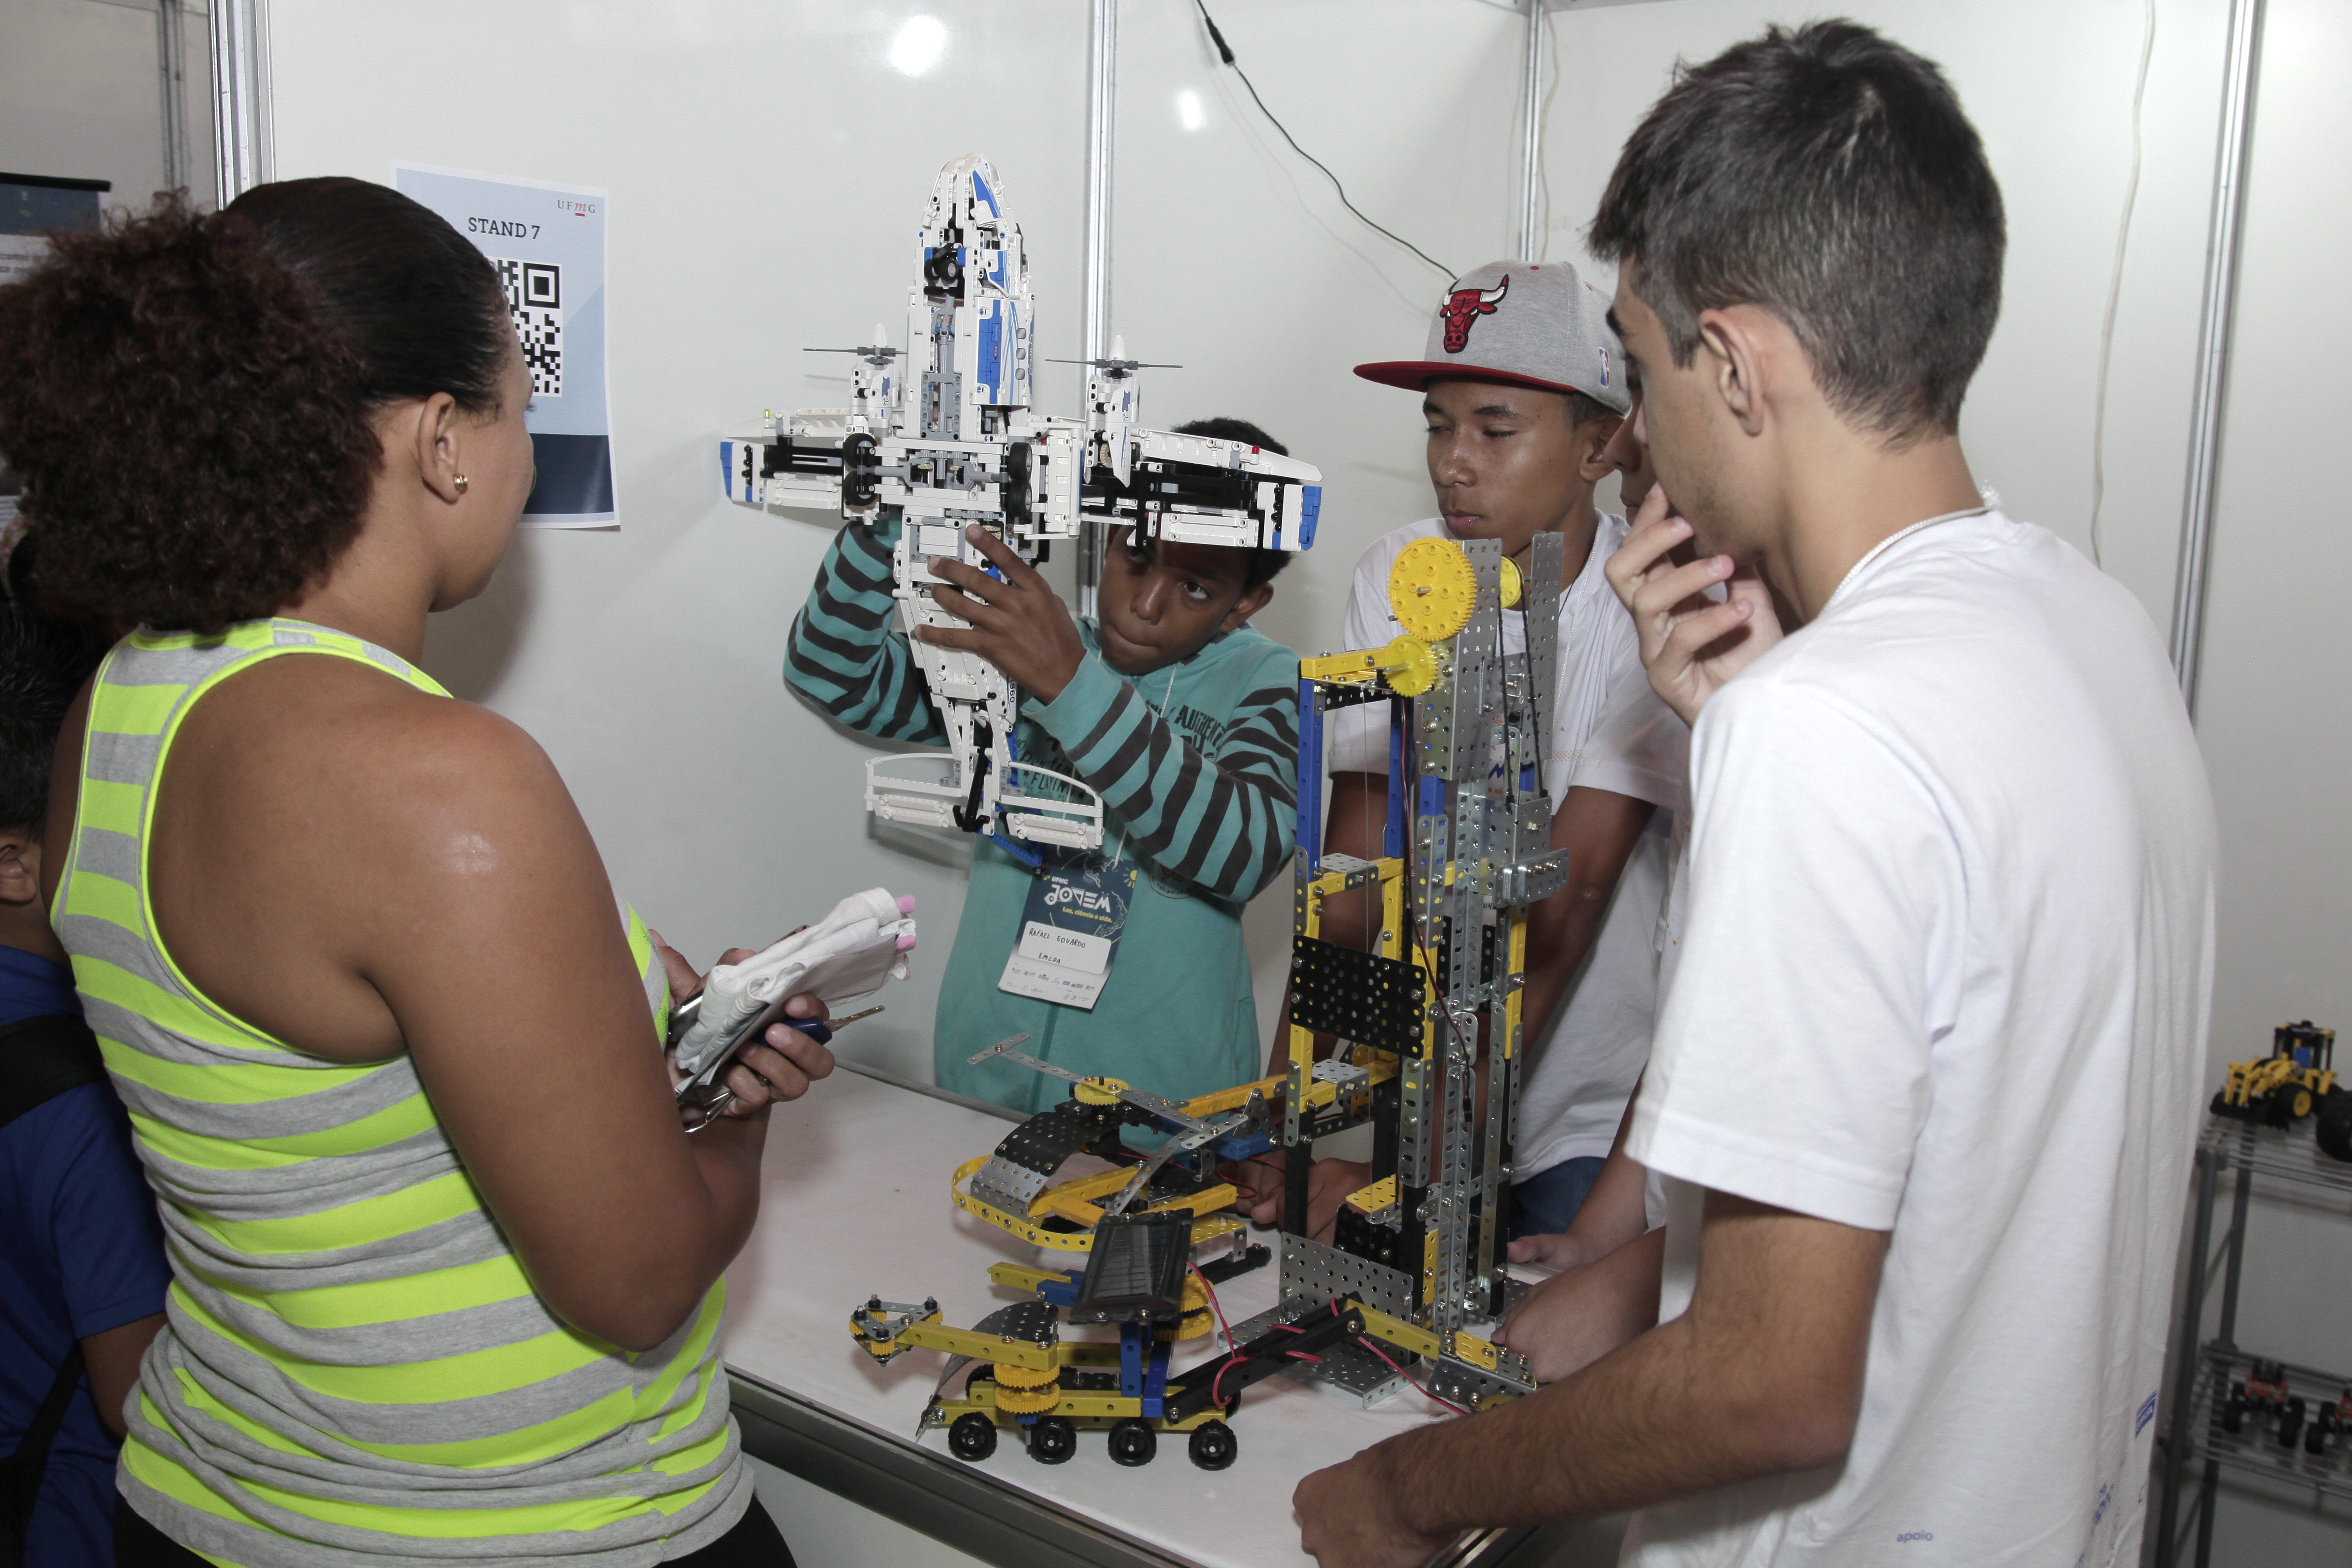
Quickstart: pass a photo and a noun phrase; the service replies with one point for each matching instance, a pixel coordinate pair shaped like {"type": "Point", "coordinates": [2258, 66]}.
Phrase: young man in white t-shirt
{"type": "Point", "coordinates": [1931, 1049]}
{"type": "Point", "coordinates": [1523, 385]}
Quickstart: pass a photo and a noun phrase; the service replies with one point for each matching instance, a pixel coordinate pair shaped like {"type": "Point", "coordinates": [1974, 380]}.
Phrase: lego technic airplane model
{"type": "Point", "coordinates": [950, 440]}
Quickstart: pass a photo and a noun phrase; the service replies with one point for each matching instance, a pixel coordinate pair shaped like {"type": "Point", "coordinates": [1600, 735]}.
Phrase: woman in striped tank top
{"type": "Point", "coordinates": [446, 1271]}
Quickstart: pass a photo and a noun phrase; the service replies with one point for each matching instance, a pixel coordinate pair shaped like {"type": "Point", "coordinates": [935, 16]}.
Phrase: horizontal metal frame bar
{"type": "Point", "coordinates": [966, 1508]}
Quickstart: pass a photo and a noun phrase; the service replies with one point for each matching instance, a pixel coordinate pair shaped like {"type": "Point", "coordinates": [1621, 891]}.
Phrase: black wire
{"type": "Point", "coordinates": [1226, 52]}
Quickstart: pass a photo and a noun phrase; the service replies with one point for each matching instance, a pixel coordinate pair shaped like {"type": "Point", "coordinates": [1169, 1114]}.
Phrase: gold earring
{"type": "Point", "coordinates": [459, 480]}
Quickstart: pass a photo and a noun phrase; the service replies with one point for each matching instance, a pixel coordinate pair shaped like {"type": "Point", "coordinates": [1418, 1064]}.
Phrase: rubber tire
{"type": "Point", "coordinates": [2335, 1124]}
{"type": "Point", "coordinates": [1053, 1440]}
{"type": "Point", "coordinates": [2234, 1415]}
{"type": "Point", "coordinates": [972, 1438]}
{"type": "Point", "coordinates": [2315, 1439]}
{"type": "Point", "coordinates": [1212, 1446]}
{"type": "Point", "coordinates": [1133, 1443]}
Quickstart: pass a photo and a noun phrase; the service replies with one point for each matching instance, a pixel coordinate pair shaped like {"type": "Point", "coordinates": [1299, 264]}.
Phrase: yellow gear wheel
{"type": "Point", "coordinates": [1007, 1375]}
{"type": "Point", "coordinates": [1410, 664]}
{"type": "Point", "coordinates": [1510, 584]}
{"type": "Point", "coordinates": [1028, 1401]}
{"type": "Point", "coordinates": [1098, 1092]}
{"type": "Point", "coordinates": [1431, 589]}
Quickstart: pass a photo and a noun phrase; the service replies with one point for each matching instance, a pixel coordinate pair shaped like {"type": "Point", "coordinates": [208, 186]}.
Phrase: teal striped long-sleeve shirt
{"type": "Point", "coordinates": [1197, 766]}
{"type": "Point", "coordinates": [1205, 792]}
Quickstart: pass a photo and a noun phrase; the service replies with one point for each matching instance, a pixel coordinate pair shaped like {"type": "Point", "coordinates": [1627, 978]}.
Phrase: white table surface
{"type": "Point", "coordinates": [854, 1203]}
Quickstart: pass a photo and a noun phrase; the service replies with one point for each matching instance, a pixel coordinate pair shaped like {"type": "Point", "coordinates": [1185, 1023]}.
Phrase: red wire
{"type": "Point", "coordinates": [1401, 1372]}
{"type": "Point", "coordinates": [1216, 1383]}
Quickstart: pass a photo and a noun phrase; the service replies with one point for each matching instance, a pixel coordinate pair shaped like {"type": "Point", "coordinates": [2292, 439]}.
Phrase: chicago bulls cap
{"type": "Point", "coordinates": [1533, 324]}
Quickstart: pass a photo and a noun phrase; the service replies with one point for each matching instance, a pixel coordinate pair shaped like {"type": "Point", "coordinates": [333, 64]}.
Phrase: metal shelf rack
{"type": "Point", "coordinates": [2204, 1370]}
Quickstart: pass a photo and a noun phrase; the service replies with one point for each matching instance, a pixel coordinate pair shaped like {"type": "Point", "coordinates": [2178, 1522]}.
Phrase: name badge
{"type": "Point", "coordinates": [1070, 929]}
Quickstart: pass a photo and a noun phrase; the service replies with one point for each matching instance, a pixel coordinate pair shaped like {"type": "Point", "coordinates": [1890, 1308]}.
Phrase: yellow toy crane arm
{"type": "Point", "coordinates": [887, 1330]}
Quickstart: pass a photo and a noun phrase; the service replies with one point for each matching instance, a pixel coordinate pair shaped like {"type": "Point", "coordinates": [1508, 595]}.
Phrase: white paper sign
{"type": "Point", "coordinates": [1051, 981]}
{"type": "Point", "coordinates": [546, 242]}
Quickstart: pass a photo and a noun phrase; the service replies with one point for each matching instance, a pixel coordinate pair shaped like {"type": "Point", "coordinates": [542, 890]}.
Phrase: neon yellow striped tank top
{"type": "Point", "coordinates": [355, 1372]}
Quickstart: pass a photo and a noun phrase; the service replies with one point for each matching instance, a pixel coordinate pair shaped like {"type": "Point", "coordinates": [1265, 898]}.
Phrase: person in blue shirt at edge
{"type": "Point", "coordinates": [1182, 717]}
{"type": "Point", "coordinates": [81, 1252]}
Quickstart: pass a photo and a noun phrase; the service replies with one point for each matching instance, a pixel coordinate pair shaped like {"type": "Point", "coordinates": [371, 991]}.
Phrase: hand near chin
{"type": "Point", "coordinates": [1691, 643]}
{"type": "Point", "coordinates": [1018, 622]}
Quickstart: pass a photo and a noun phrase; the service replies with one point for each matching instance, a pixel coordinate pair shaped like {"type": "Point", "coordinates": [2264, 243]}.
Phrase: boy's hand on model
{"type": "Point", "coordinates": [1691, 643]}
{"type": "Point", "coordinates": [1563, 1250]}
{"type": "Point", "coordinates": [1328, 1186]}
{"type": "Point", "coordinates": [1573, 1319]}
{"type": "Point", "coordinates": [1349, 1518]}
{"type": "Point", "coordinates": [1018, 624]}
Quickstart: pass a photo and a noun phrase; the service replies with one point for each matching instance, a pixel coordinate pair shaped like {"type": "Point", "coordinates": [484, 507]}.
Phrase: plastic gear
{"type": "Point", "coordinates": [1028, 1401]}
{"type": "Point", "coordinates": [1410, 664]}
{"type": "Point", "coordinates": [1097, 1092]}
{"type": "Point", "coordinates": [1431, 589]}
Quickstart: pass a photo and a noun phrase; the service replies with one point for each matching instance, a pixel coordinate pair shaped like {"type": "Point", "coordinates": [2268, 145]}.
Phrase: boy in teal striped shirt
{"type": "Point", "coordinates": [1183, 718]}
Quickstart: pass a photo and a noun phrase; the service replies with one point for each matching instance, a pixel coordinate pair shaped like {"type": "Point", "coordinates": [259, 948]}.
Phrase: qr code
{"type": "Point", "coordinates": [535, 295]}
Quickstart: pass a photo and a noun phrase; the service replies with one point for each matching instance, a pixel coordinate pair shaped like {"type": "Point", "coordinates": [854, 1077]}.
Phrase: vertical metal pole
{"type": "Point", "coordinates": [2213, 343]}
{"type": "Point", "coordinates": [1531, 237]}
{"type": "Point", "coordinates": [171, 68]}
{"type": "Point", "coordinates": [2188, 1361]}
{"type": "Point", "coordinates": [2233, 1270]}
{"type": "Point", "coordinates": [1093, 323]}
{"type": "Point", "coordinates": [240, 80]}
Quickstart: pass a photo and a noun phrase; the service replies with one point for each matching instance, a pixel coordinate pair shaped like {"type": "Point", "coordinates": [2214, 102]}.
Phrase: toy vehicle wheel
{"type": "Point", "coordinates": [1052, 1439]}
{"type": "Point", "coordinates": [972, 1438]}
{"type": "Point", "coordinates": [1132, 1442]}
{"type": "Point", "coordinates": [2315, 1439]}
{"type": "Point", "coordinates": [982, 1371]}
{"type": "Point", "coordinates": [1212, 1446]}
{"type": "Point", "coordinates": [2234, 1415]}
{"type": "Point", "coordinates": [2334, 1128]}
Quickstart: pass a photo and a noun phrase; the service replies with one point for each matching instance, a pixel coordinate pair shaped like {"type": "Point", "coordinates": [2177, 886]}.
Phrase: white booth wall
{"type": "Point", "coordinates": [2050, 89]}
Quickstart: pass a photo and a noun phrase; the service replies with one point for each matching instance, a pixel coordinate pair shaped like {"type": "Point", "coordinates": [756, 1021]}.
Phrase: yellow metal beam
{"type": "Point", "coordinates": [931, 1334]}
{"type": "Point", "coordinates": [1021, 1277]}
{"type": "Point", "coordinates": [1359, 667]}
{"type": "Point", "coordinates": [1207, 1226]}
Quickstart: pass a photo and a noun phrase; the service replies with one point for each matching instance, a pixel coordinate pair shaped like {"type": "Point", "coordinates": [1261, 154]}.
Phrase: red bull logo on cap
{"type": "Point", "coordinates": [1464, 306]}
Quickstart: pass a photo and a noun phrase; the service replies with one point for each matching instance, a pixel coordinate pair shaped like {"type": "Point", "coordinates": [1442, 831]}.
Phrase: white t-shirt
{"type": "Point", "coordinates": [1642, 747]}
{"type": "Point", "coordinates": [1574, 1080]}
{"type": "Point", "coordinates": [1946, 974]}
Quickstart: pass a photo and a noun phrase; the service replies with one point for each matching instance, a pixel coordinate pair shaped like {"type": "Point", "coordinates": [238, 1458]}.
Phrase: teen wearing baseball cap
{"type": "Point", "coordinates": [1522, 384]}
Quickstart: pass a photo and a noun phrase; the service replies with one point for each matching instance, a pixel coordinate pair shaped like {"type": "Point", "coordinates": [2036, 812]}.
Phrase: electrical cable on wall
{"type": "Point", "coordinates": [1225, 52]}
{"type": "Point", "coordinates": [2115, 288]}
{"type": "Point", "coordinates": [1543, 152]}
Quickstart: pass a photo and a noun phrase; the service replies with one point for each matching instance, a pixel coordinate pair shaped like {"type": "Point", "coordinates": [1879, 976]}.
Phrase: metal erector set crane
{"type": "Point", "coordinates": [948, 440]}
{"type": "Point", "coordinates": [1414, 1261]}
